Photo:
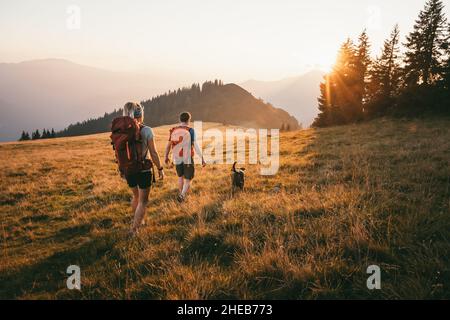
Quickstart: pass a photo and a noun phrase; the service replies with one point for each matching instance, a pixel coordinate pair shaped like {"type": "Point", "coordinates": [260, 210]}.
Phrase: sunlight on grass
{"type": "Point", "coordinates": [344, 198]}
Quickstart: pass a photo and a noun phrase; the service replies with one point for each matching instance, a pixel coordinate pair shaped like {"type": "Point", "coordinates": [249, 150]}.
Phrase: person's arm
{"type": "Point", "coordinates": [166, 154]}
{"type": "Point", "coordinates": [155, 157]}
{"type": "Point", "coordinates": [199, 152]}
{"type": "Point", "coordinates": [196, 146]}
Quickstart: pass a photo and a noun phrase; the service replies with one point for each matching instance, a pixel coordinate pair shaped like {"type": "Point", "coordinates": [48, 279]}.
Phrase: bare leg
{"type": "Point", "coordinates": [186, 186]}
{"type": "Point", "coordinates": [180, 184]}
{"type": "Point", "coordinates": [135, 200]}
{"type": "Point", "coordinates": [141, 208]}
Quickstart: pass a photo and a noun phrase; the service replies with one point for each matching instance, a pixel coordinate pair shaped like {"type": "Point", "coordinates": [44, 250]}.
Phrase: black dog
{"type": "Point", "coordinates": [237, 178]}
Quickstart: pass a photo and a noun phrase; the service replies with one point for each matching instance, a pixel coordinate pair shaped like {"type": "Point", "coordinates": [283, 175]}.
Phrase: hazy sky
{"type": "Point", "coordinates": [234, 40]}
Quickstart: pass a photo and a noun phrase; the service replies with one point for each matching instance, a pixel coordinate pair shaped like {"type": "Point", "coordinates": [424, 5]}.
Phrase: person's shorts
{"type": "Point", "coordinates": [143, 180]}
{"type": "Point", "coordinates": [186, 170]}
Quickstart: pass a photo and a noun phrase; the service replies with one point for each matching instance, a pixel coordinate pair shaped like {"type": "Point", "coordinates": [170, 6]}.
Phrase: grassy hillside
{"type": "Point", "coordinates": [344, 198]}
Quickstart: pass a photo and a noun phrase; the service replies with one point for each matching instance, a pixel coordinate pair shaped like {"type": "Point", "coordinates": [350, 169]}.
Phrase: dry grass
{"type": "Point", "coordinates": [346, 197]}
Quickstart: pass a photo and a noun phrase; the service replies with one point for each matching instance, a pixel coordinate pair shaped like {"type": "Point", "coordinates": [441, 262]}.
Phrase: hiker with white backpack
{"type": "Point", "coordinates": [182, 142]}
{"type": "Point", "coordinates": [136, 156]}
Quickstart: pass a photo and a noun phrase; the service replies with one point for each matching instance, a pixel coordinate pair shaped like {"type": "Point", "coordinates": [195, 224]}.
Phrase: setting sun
{"type": "Point", "coordinates": [232, 40]}
{"type": "Point", "coordinates": [326, 63]}
{"type": "Point", "coordinates": [241, 152]}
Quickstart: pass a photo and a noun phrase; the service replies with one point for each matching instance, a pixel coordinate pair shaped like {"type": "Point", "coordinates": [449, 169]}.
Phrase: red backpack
{"type": "Point", "coordinates": [127, 144]}
{"type": "Point", "coordinates": [176, 136]}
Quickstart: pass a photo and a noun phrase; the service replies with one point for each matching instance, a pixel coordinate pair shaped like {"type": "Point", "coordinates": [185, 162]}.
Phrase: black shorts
{"type": "Point", "coordinates": [142, 179]}
{"type": "Point", "coordinates": [186, 170]}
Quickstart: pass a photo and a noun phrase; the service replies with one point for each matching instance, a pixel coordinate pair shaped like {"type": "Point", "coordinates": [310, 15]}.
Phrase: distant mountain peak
{"type": "Point", "coordinates": [297, 95]}
{"type": "Point", "coordinates": [52, 93]}
{"type": "Point", "coordinates": [48, 60]}
{"type": "Point", "coordinates": [212, 102]}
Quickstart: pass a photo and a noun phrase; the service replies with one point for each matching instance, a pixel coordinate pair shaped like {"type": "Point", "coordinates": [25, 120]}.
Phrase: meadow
{"type": "Point", "coordinates": [344, 198]}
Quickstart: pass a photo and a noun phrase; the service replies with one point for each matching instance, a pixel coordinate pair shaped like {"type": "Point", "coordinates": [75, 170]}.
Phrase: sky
{"type": "Point", "coordinates": [234, 40]}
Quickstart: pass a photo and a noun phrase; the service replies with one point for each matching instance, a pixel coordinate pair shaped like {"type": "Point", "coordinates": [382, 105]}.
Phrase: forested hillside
{"type": "Point", "coordinates": [213, 101]}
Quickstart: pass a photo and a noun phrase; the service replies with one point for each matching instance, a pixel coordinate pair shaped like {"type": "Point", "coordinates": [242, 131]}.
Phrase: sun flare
{"type": "Point", "coordinates": [325, 63]}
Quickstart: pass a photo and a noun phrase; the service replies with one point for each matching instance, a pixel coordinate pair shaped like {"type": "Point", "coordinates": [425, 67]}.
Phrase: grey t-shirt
{"type": "Point", "coordinates": [146, 133]}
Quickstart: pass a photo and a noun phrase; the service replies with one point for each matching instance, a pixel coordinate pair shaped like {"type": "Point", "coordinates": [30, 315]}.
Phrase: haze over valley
{"type": "Point", "coordinates": [54, 93]}
{"type": "Point", "coordinates": [297, 95]}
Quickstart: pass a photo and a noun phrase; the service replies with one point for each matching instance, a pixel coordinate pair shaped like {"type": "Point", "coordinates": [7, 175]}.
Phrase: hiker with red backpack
{"type": "Point", "coordinates": [136, 155]}
{"type": "Point", "coordinates": [182, 142]}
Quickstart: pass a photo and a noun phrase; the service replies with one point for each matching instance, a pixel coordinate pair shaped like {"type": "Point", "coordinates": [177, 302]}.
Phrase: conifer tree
{"type": "Point", "coordinates": [22, 136]}
{"type": "Point", "coordinates": [385, 76]}
{"type": "Point", "coordinates": [446, 67]}
{"type": "Point", "coordinates": [338, 101]}
{"type": "Point", "coordinates": [362, 64]}
{"type": "Point", "coordinates": [323, 119]}
{"type": "Point", "coordinates": [36, 135]}
{"type": "Point", "coordinates": [344, 84]}
{"type": "Point", "coordinates": [423, 58]}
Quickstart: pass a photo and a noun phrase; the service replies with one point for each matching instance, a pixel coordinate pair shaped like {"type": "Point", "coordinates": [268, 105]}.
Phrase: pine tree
{"type": "Point", "coordinates": [53, 133]}
{"type": "Point", "coordinates": [362, 64]}
{"type": "Point", "coordinates": [323, 119]}
{"type": "Point", "coordinates": [27, 136]}
{"type": "Point", "coordinates": [446, 68]}
{"type": "Point", "coordinates": [329, 102]}
{"type": "Point", "coordinates": [423, 58]}
{"type": "Point", "coordinates": [36, 135]}
{"type": "Point", "coordinates": [385, 76]}
{"type": "Point", "coordinates": [338, 102]}
{"type": "Point", "coordinates": [344, 84]}
{"type": "Point", "coordinates": [22, 136]}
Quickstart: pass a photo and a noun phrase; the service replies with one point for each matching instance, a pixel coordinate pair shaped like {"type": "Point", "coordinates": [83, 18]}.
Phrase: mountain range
{"type": "Point", "coordinates": [55, 93]}
{"type": "Point", "coordinates": [212, 102]}
{"type": "Point", "coordinates": [297, 95]}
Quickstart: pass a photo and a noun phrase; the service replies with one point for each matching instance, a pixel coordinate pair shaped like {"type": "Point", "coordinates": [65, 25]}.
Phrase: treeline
{"type": "Point", "coordinates": [155, 110]}
{"type": "Point", "coordinates": [90, 126]}
{"type": "Point", "coordinates": [211, 101]}
{"type": "Point", "coordinates": [165, 108]}
{"type": "Point", "coordinates": [35, 135]}
{"type": "Point", "coordinates": [285, 127]}
{"type": "Point", "coordinates": [415, 83]}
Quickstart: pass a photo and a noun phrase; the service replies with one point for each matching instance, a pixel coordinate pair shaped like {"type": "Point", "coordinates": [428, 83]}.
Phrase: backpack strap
{"type": "Point", "coordinates": [140, 127]}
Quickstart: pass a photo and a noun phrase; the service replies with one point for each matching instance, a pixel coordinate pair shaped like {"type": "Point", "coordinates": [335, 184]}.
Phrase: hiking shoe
{"type": "Point", "coordinates": [132, 233]}
{"type": "Point", "coordinates": [180, 198]}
